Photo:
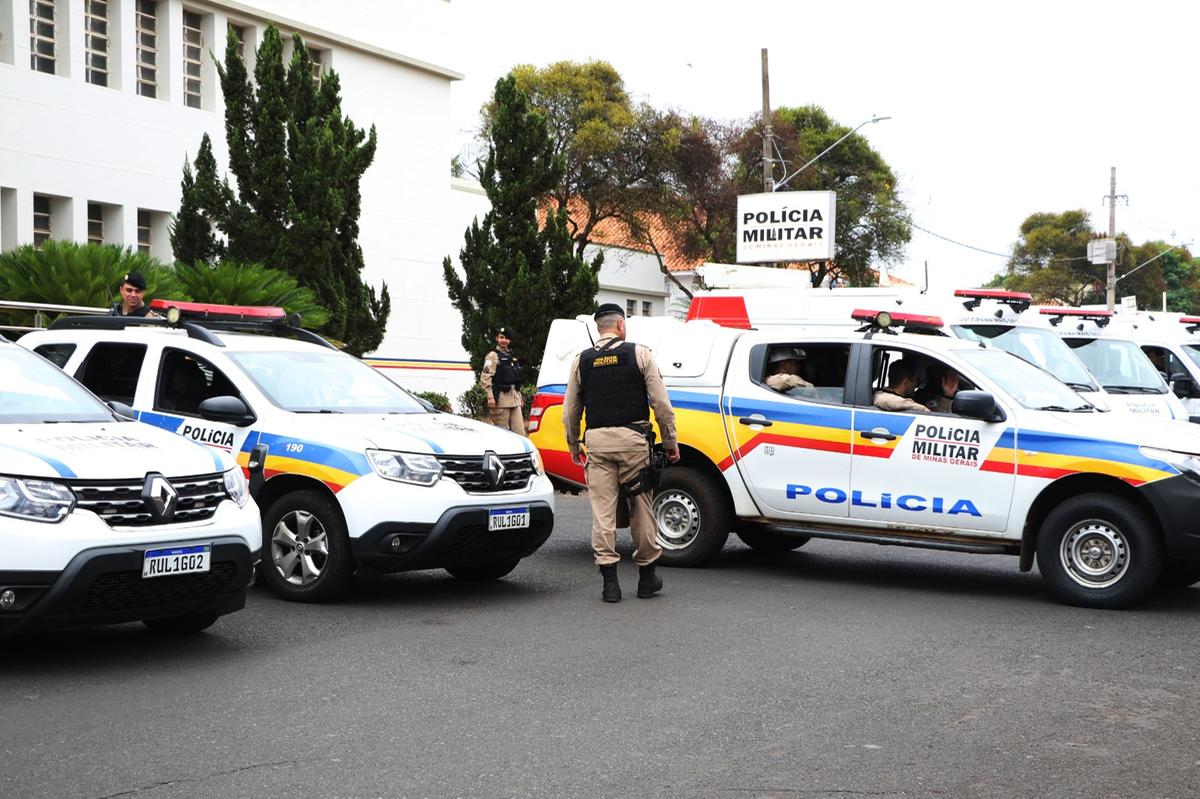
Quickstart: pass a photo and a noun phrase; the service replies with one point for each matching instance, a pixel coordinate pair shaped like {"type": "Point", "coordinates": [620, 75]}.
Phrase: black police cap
{"type": "Point", "coordinates": [134, 279]}
{"type": "Point", "coordinates": [504, 331]}
{"type": "Point", "coordinates": [609, 308]}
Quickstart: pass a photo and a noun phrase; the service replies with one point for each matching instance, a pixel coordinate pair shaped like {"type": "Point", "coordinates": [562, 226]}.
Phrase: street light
{"type": "Point", "coordinates": [780, 184]}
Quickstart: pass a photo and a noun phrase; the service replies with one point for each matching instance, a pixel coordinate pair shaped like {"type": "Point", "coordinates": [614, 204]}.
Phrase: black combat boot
{"type": "Point", "coordinates": [649, 583]}
{"type": "Point", "coordinates": [612, 588]}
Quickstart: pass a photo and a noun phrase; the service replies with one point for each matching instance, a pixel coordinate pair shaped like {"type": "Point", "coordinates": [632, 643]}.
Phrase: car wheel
{"type": "Point", "coordinates": [1179, 574]}
{"type": "Point", "coordinates": [1099, 551]}
{"type": "Point", "coordinates": [306, 554]}
{"type": "Point", "coordinates": [761, 539]}
{"type": "Point", "coordinates": [691, 516]}
{"type": "Point", "coordinates": [182, 625]}
{"type": "Point", "coordinates": [483, 571]}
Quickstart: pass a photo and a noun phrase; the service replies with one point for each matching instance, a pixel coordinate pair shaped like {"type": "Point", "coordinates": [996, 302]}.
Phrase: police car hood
{"type": "Point", "coordinates": [432, 433]}
{"type": "Point", "coordinates": [102, 451]}
{"type": "Point", "coordinates": [1159, 432]}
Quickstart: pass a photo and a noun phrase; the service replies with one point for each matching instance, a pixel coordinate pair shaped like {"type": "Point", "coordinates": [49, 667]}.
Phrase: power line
{"type": "Point", "coordinates": [993, 252]}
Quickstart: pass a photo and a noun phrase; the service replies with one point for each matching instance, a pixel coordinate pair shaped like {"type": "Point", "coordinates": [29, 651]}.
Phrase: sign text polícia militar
{"type": "Point", "coordinates": [785, 226]}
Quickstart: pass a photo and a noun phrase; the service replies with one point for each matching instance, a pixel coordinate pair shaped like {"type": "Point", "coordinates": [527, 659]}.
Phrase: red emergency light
{"type": "Point", "coordinates": [897, 319]}
{"type": "Point", "coordinates": [727, 311]}
{"type": "Point", "coordinates": [1193, 323]}
{"type": "Point", "coordinates": [1101, 318]}
{"type": "Point", "coordinates": [224, 313]}
{"type": "Point", "coordinates": [1017, 300]}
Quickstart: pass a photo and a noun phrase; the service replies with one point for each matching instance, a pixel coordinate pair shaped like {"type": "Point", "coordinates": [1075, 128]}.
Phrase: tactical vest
{"type": "Point", "coordinates": [508, 374]}
{"type": "Point", "coordinates": [613, 388]}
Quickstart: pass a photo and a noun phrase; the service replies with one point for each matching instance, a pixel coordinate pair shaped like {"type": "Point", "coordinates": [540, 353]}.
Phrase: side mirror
{"type": "Point", "coordinates": [977, 405]}
{"type": "Point", "coordinates": [1182, 386]}
{"type": "Point", "coordinates": [122, 410]}
{"type": "Point", "coordinates": [230, 410]}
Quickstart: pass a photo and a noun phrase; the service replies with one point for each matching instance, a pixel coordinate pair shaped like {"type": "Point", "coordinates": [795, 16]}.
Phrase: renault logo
{"type": "Point", "coordinates": [493, 468]}
{"type": "Point", "coordinates": [160, 497]}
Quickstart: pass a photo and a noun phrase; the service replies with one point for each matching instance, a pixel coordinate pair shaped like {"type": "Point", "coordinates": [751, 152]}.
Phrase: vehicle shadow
{"type": "Point", "coordinates": [121, 646]}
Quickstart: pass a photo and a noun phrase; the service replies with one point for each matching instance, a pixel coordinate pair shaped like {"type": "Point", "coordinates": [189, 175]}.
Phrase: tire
{"type": "Point", "coordinates": [306, 550]}
{"type": "Point", "coordinates": [761, 539]}
{"type": "Point", "coordinates": [182, 625]}
{"type": "Point", "coordinates": [691, 515]}
{"type": "Point", "coordinates": [1179, 574]}
{"type": "Point", "coordinates": [483, 571]}
{"type": "Point", "coordinates": [1099, 551]}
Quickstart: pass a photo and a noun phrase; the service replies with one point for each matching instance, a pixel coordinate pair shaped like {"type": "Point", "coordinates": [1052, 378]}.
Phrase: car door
{"type": "Point", "coordinates": [791, 447]}
{"type": "Point", "coordinates": [926, 470]}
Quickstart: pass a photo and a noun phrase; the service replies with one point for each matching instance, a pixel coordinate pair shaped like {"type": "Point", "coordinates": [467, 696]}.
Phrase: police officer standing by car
{"type": "Point", "coordinates": [613, 385]}
{"type": "Point", "coordinates": [501, 381]}
{"type": "Point", "coordinates": [133, 293]}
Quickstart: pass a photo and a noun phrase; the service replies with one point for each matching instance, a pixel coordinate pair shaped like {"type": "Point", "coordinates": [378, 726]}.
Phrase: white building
{"type": "Point", "coordinates": [101, 101]}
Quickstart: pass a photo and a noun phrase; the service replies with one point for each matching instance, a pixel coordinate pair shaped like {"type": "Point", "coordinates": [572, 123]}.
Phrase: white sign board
{"type": "Point", "coordinates": [1102, 251]}
{"type": "Point", "coordinates": [1129, 303]}
{"type": "Point", "coordinates": [785, 226]}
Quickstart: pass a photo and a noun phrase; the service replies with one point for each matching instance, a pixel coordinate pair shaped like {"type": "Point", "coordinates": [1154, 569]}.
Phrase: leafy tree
{"type": "Point", "coordinates": [1181, 274]}
{"type": "Point", "coordinates": [192, 237]}
{"type": "Point", "coordinates": [1050, 259]}
{"type": "Point", "coordinates": [69, 273]}
{"type": "Point", "coordinates": [232, 283]}
{"type": "Point", "coordinates": [298, 163]}
{"type": "Point", "coordinates": [514, 273]}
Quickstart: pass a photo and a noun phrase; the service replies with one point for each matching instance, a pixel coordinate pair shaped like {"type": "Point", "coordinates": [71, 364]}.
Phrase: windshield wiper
{"type": "Point", "coordinates": [1065, 409]}
{"type": "Point", "coordinates": [322, 410]}
{"type": "Point", "coordinates": [1079, 386]}
{"type": "Point", "coordinates": [1133, 389]}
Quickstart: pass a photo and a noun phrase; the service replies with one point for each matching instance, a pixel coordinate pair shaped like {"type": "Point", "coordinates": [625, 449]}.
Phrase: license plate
{"type": "Point", "coordinates": [508, 518]}
{"type": "Point", "coordinates": [177, 560]}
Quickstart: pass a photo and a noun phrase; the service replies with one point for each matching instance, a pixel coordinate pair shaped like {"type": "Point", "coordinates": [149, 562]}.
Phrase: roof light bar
{"type": "Point", "coordinates": [1101, 318]}
{"type": "Point", "coordinates": [1017, 300]}
{"type": "Point", "coordinates": [898, 319]}
{"type": "Point", "coordinates": [208, 310]}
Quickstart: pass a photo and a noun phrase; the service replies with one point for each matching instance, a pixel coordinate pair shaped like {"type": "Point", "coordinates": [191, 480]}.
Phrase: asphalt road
{"type": "Point", "coordinates": [836, 670]}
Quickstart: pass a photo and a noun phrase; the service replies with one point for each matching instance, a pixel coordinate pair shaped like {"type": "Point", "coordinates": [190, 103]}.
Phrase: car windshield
{"type": "Point", "coordinates": [324, 381]}
{"type": "Point", "coordinates": [1120, 366]}
{"type": "Point", "coordinates": [1024, 382]}
{"type": "Point", "coordinates": [1042, 348]}
{"type": "Point", "coordinates": [1193, 352]}
{"type": "Point", "coordinates": [36, 391]}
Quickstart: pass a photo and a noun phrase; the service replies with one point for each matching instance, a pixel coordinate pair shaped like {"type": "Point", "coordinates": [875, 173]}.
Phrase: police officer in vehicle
{"type": "Point", "coordinates": [501, 381]}
{"type": "Point", "coordinates": [612, 385]}
{"type": "Point", "coordinates": [133, 294]}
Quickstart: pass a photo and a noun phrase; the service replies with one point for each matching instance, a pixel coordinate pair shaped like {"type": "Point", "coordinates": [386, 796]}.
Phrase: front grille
{"type": "Point", "coordinates": [474, 543]}
{"type": "Point", "coordinates": [468, 472]}
{"type": "Point", "coordinates": [128, 590]}
{"type": "Point", "coordinates": [120, 503]}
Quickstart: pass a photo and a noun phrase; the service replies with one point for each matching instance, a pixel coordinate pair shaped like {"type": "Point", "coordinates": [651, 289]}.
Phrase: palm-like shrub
{"type": "Point", "coordinates": [68, 273]}
{"type": "Point", "coordinates": [232, 283]}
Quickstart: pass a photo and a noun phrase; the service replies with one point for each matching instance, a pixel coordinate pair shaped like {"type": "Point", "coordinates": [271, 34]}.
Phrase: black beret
{"type": "Point", "coordinates": [609, 308]}
{"type": "Point", "coordinates": [134, 279]}
{"type": "Point", "coordinates": [504, 331]}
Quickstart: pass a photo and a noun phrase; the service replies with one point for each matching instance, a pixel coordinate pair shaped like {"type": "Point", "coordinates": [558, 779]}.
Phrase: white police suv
{"type": "Point", "coordinates": [348, 468]}
{"type": "Point", "coordinates": [104, 520]}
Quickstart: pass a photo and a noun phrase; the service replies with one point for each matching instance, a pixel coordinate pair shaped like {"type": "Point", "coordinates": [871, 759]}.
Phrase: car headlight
{"type": "Point", "coordinates": [235, 486]}
{"type": "Point", "coordinates": [1185, 462]}
{"type": "Point", "coordinates": [537, 461]}
{"type": "Point", "coordinates": [36, 500]}
{"type": "Point", "coordinates": [406, 467]}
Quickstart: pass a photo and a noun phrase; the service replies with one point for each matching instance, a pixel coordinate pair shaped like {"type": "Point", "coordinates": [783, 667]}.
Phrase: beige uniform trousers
{"type": "Point", "coordinates": [605, 472]}
{"type": "Point", "coordinates": [509, 418]}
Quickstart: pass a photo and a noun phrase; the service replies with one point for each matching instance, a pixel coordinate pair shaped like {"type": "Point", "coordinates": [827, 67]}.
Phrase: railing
{"type": "Point", "coordinates": [42, 309]}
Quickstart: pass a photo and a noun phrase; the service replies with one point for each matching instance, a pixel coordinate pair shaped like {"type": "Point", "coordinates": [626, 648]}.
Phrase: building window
{"type": "Point", "coordinates": [193, 44]}
{"type": "Point", "coordinates": [41, 220]}
{"type": "Point", "coordinates": [144, 221]}
{"type": "Point", "coordinates": [41, 36]}
{"type": "Point", "coordinates": [146, 22]}
{"type": "Point", "coordinates": [239, 33]}
{"type": "Point", "coordinates": [646, 310]}
{"type": "Point", "coordinates": [95, 223]}
{"type": "Point", "coordinates": [317, 67]}
{"type": "Point", "coordinates": [631, 307]}
{"type": "Point", "coordinates": [95, 35]}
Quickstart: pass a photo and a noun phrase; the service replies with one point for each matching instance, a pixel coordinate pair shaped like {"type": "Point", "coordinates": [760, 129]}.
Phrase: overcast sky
{"type": "Point", "coordinates": [998, 110]}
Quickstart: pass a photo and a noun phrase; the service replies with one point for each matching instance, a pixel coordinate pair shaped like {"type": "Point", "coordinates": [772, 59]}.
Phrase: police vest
{"type": "Point", "coordinates": [613, 388]}
{"type": "Point", "coordinates": [508, 373]}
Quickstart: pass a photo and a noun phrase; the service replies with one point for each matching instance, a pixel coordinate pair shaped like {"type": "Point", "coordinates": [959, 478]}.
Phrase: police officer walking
{"type": "Point", "coordinates": [613, 385]}
{"type": "Point", "coordinates": [133, 293]}
{"type": "Point", "coordinates": [501, 381]}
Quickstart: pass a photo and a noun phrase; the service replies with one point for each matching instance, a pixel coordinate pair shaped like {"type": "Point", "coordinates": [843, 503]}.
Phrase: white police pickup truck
{"type": "Point", "coordinates": [1108, 505]}
{"type": "Point", "coordinates": [349, 469]}
{"type": "Point", "coordinates": [104, 520]}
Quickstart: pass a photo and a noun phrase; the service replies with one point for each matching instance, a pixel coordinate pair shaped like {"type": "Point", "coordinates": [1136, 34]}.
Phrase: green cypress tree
{"type": "Point", "coordinates": [192, 237]}
{"type": "Point", "coordinates": [514, 273]}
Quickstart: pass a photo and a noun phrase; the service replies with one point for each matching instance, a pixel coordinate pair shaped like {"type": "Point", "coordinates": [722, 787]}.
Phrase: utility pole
{"type": "Point", "coordinates": [768, 163]}
{"type": "Point", "coordinates": [1112, 234]}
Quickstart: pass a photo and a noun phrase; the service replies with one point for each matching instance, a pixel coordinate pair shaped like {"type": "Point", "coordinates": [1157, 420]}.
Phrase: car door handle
{"type": "Point", "coordinates": [884, 436]}
{"type": "Point", "coordinates": [752, 420]}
